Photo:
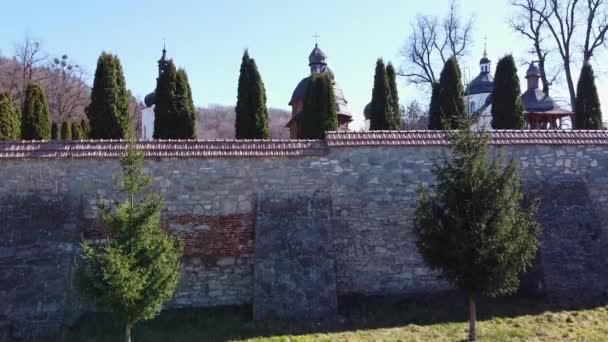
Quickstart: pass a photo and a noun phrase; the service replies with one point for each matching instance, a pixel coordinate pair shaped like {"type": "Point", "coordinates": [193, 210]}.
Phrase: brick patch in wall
{"type": "Point", "coordinates": [213, 240]}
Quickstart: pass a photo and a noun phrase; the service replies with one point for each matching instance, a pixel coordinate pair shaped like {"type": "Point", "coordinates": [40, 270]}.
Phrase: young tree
{"type": "Point", "coordinates": [381, 105]}
{"type": "Point", "coordinates": [251, 112]}
{"type": "Point", "coordinates": [136, 270]}
{"type": "Point", "coordinates": [472, 224]}
{"type": "Point", "coordinates": [108, 111]}
{"type": "Point", "coordinates": [165, 109]}
{"type": "Point", "coordinates": [10, 122]}
{"type": "Point", "coordinates": [35, 122]}
{"type": "Point", "coordinates": [507, 107]}
{"type": "Point", "coordinates": [435, 115]}
{"type": "Point", "coordinates": [451, 93]}
{"type": "Point", "coordinates": [392, 84]}
{"type": "Point", "coordinates": [77, 131]}
{"type": "Point", "coordinates": [319, 113]}
{"type": "Point", "coordinates": [55, 131]}
{"type": "Point", "coordinates": [588, 113]}
{"type": "Point", "coordinates": [186, 119]}
{"type": "Point", "coordinates": [66, 130]}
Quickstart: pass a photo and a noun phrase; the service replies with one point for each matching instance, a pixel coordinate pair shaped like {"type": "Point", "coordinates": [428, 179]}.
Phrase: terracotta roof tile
{"type": "Point", "coordinates": [283, 148]}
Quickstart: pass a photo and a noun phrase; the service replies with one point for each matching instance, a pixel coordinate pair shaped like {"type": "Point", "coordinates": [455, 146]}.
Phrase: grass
{"type": "Point", "coordinates": [368, 319]}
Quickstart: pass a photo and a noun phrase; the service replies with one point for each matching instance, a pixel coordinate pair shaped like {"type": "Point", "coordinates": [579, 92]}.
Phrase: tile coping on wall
{"type": "Point", "coordinates": [283, 148]}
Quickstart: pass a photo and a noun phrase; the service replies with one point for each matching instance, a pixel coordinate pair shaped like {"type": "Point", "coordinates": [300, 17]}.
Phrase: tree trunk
{"type": "Point", "coordinates": [571, 89]}
{"type": "Point", "coordinates": [472, 319]}
{"type": "Point", "coordinates": [127, 332]}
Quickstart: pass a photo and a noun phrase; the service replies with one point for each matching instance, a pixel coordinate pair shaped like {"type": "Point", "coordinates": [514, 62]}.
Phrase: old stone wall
{"type": "Point", "coordinates": [48, 203]}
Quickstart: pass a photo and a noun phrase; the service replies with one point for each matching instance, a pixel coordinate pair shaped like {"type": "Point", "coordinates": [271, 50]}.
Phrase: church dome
{"type": "Point", "coordinates": [484, 60]}
{"type": "Point", "coordinates": [317, 56]}
{"type": "Point", "coordinates": [533, 71]}
{"type": "Point", "coordinates": [483, 83]}
{"type": "Point", "coordinates": [150, 99]}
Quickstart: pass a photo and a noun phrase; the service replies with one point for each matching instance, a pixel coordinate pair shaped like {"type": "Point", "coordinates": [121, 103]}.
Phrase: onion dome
{"type": "Point", "coordinates": [317, 56]}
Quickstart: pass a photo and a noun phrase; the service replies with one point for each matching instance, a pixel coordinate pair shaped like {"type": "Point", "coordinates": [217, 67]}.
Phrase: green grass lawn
{"type": "Point", "coordinates": [369, 319]}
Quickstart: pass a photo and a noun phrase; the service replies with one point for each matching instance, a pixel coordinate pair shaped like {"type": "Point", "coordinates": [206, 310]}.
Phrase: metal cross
{"type": "Point", "coordinates": [316, 37]}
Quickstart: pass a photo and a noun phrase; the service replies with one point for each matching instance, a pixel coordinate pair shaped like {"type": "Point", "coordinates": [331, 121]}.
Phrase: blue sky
{"type": "Point", "coordinates": [207, 38]}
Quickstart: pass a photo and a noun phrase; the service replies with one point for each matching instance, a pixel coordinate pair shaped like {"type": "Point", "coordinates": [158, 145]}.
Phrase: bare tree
{"type": "Point", "coordinates": [30, 56]}
{"type": "Point", "coordinates": [413, 117]}
{"type": "Point", "coordinates": [432, 42]}
{"type": "Point", "coordinates": [562, 17]}
{"type": "Point", "coordinates": [531, 25]}
{"type": "Point", "coordinates": [597, 25]}
{"type": "Point", "coordinates": [66, 89]}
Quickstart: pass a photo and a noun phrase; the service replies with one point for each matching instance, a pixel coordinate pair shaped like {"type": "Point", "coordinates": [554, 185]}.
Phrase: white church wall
{"type": "Point", "coordinates": [147, 123]}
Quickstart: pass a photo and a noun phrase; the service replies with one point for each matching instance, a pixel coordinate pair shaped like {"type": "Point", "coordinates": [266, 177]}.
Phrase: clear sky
{"type": "Point", "coordinates": [207, 38]}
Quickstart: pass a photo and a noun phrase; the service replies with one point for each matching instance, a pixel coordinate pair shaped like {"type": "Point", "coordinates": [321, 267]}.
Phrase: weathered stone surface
{"type": "Point", "coordinates": [46, 204]}
{"type": "Point", "coordinates": [294, 270]}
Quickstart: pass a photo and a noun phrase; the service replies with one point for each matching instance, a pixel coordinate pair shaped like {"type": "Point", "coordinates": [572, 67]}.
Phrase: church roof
{"type": "Point", "coordinates": [317, 56]}
{"type": "Point", "coordinates": [341, 102]}
{"type": "Point", "coordinates": [150, 99]}
{"type": "Point", "coordinates": [483, 83]}
{"type": "Point", "coordinates": [536, 101]}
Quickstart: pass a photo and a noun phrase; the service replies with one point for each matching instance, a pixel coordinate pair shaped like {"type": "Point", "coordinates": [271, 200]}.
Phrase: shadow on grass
{"type": "Point", "coordinates": [355, 313]}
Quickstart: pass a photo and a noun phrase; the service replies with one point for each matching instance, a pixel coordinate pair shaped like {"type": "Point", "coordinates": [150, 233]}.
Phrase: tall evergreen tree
{"type": "Point", "coordinates": [66, 130]}
{"type": "Point", "coordinates": [166, 109]}
{"type": "Point", "coordinates": [55, 131]}
{"type": "Point", "coordinates": [10, 121]}
{"type": "Point", "coordinates": [472, 225]}
{"type": "Point", "coordinates": [381, 109]}
{"type": "Point", "coordinates": [251, 112]}
{"type": "Point", "coordinates": [392, 83]}
{"type": "Point", "coordinates": [86, 130]}
{"type": "Point", "coordinates": [435, 115]}
{"type": "Point", "coordinates": [588, 113]}
{"type": "Point", "coordinates": [35, 122]}
{"type": "Point", "coordinates": [137, 269]}
{"type": "Point", "coordinates": [108, 111]}
{"type": "Point", "coordinates": [186, 113]}
{"type": "Point", "coordinates": [77, 133]}
{"type": "Point", "coordinates": [319, 113]}
{"type": "Point", "coordinates": [451, 93]}
{"type": "Point", "coordinates": [507, 107]}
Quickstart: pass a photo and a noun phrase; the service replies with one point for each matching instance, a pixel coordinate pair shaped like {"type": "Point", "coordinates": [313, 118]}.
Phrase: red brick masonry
{"type": "Point", "coordinates": [211, 239]}
{"type": "Point", "coordinates": [283, 148]}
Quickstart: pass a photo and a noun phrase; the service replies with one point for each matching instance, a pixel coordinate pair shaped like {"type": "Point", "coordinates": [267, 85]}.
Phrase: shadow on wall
{"type": "Point", "coordinates": [39, 238]}
{"type": "Point", "coordinates": [573, 258]}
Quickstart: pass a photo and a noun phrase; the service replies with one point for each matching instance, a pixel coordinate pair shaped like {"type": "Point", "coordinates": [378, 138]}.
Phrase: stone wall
{"type": "Point", "coordinates": [47, 202]}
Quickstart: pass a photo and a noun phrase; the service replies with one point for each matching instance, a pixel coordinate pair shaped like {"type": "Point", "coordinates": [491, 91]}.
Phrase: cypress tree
{"type": "Point", "coordinates": [319, 113]}
{"type": "Point", "coordinates": [108, 111]}
{"type": "Point", "coordinates": [35, 122]}
{"type": "Point", "coordinates": [165, 108]}
{"type": "Point", "coordinates": [381, 109]}
{"type": "Point", "coordinates": [588, 113]}
{"type": "Point", "coordinates": [434, 108]}
{"type": "Point", "coordinates": [55, 131]}
{"type": "Point", "coordinates": [392, 83]}
{"type": "Point", "coordinates": [472, 225]}
{"type": "Point", "coordinates": [451, 92]}
{"type": "Point", "coordinates": [186, 118]}
{"type": "Point", "coordinates": [251, 120]}
{"type": "Point", "coordinates": [77, 131]}
{"type": "Point", "coordinates": [10, 121]}
{"type": "Point", "coordinates": [137, 269]}
{"type": "Point", "coordinates": [507, 107]}
{"type": "Point", "coordinates": [66, 130]}
{"type": "Point", "coordinates": [84, 125]}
